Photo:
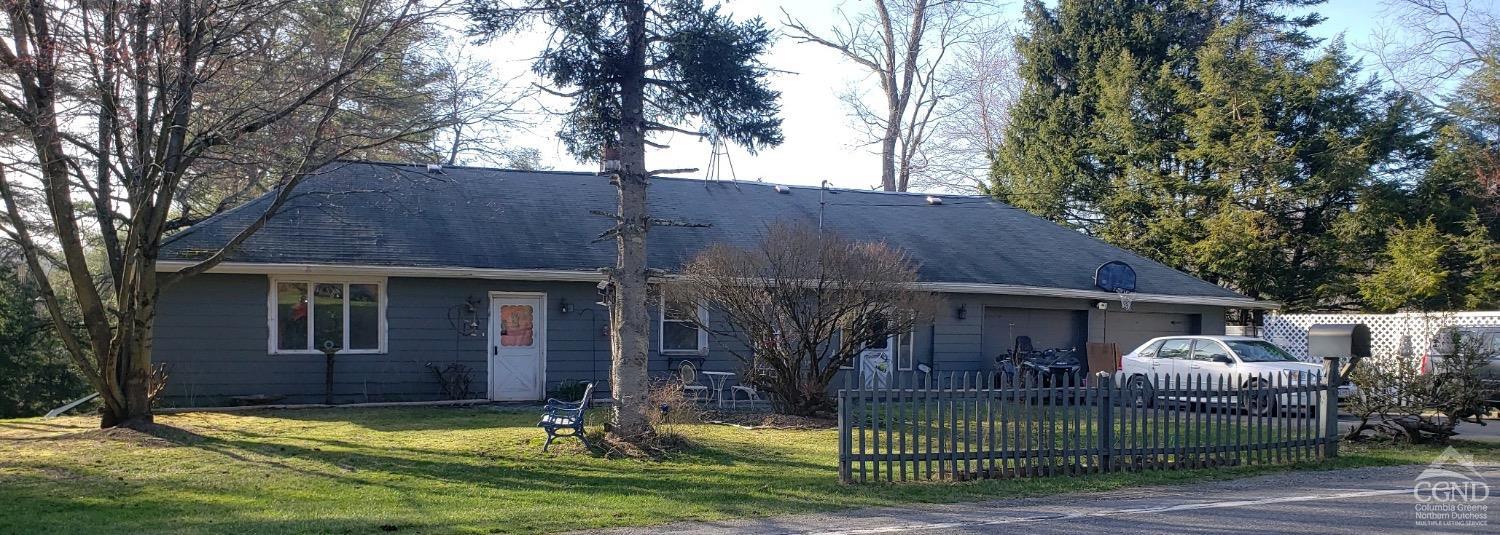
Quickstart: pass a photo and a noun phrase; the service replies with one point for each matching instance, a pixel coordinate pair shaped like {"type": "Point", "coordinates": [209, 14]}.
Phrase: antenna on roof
{"type": "Point", "coordinates": [717, 151]}
{"type": "Point", "coordinates": [822, 204]}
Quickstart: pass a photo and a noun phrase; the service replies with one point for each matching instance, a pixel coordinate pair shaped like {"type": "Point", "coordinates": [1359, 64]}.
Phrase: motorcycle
{"type": "Point", "coordinates": [1049, 367]}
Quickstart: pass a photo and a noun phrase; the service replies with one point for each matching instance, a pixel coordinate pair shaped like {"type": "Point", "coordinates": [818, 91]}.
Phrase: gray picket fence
{"type": "Point", "coordinates": [970, 425]}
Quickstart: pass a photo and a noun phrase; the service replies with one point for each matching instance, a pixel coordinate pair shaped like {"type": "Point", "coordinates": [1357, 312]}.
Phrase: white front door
{"type": "Point", "coordinates": [875, 364]}
{"type": "Point", "coordinates": [518, 327]}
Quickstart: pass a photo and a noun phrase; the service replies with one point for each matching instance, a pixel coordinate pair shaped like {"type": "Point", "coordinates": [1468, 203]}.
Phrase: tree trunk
{"type": "Point", "coordinates": [57, 185]}
{"type": "Point", "coordinates": [142, 333]}
{"type": "Point", "coordinates": [628, 378]}
{"type": "Point", "coordinates": [131, 363]}
{"type": "Point", "coordinates": [888, 151]}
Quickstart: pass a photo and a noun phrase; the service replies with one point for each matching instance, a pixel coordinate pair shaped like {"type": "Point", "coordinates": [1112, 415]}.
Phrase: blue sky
{"type": "Point", "coordinates": [819, 138]}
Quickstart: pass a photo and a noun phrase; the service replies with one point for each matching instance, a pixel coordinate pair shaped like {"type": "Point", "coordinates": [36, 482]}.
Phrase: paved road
{"type": "Point", "coordinates": [1361, 501]}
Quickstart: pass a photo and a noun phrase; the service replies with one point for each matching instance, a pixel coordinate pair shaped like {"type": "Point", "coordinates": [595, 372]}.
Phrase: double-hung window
{"type": "Point", "coordinates": [905, 351]}
{"type": "Point", "coordinates": [307, 315]}
{"type": "Point", "coordinates": [680, 331]}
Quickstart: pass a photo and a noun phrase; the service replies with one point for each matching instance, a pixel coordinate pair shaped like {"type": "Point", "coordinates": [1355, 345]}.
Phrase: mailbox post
{"type": "Point", "coordinates": [1348, 343]}
{"type": "Point", "coordinates": [1328, 404]}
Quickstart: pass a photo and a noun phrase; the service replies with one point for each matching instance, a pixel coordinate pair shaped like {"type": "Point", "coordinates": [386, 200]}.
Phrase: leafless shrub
{"type": "Point", "coordinates": [1397, 401]}
{"type": "Point", "coordinates": [157, 383]}
{"type": "Point", "coordinates": [804, 303]}
{"type": "Point", "coordinates": [672, 409]}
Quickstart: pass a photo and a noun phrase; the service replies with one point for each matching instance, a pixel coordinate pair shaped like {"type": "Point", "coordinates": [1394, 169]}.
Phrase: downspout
{"type": "Point", "coordinates": [932, 344]}
{"type": "Point", "coordinates": [593, 346]}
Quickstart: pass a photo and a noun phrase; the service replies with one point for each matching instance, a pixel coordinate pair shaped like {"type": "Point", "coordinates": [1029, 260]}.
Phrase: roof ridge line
{"type": "Point", "coordinates": [422, 166]}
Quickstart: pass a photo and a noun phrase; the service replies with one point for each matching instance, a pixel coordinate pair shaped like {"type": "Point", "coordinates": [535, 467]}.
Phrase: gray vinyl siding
{"type": "Point", "coordinates": [951, 344]}
{"type": "Point", "coordinates": [212, 332]}
{"type": "Point", "coordinates": [212, 335]}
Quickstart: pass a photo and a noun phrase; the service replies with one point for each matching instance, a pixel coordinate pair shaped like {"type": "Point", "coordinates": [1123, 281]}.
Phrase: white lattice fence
{"type": "Point", "coordinates": [1404, 334]}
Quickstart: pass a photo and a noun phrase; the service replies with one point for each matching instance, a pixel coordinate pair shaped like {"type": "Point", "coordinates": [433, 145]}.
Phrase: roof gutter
{"type": "Point", "coordinates": [563, 275]}
{"type": "Point", "coordinates": [558, 275]}
{"type": "Point", "coordinates": [1068, 293]}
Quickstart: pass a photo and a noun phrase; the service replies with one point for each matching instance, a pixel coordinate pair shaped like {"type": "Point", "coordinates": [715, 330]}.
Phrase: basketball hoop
{"type": "Point", "coordinates": [1118, 277]}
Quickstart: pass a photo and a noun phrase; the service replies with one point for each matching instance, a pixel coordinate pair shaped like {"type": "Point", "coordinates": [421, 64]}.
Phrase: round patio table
{"type": "Point", "coordinates": [716, 381]}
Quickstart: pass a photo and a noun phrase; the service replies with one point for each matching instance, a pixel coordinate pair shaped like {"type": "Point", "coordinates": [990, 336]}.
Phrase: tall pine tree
{"type": "Point", "coordinates": [634, 68]}
{"type": "Point", "coordinates": [1217, 137]}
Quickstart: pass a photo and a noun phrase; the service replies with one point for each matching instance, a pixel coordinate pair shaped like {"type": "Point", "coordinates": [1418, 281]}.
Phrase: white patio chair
{"type": "Point", "coordinates": [751, 394]}
{"type": "Point", "coordinates": [690, 387]}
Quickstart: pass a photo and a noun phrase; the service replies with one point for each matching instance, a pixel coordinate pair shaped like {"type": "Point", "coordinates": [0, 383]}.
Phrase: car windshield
{"type": "Point", "coordinates": [1442, 342]}
{"type": "Point", "coordinates": [1259, 351]}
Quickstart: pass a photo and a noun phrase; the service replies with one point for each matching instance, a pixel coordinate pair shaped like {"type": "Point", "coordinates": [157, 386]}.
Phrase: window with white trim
{"type": "Point", "coordinates": [307, 315]}
{"type": "Point", "coordinates": [680, 331]}
{"type": "Point", "coordinates": [905, 351]}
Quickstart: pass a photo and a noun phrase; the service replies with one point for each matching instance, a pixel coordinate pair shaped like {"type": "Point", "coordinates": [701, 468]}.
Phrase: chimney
{"type": "Point", "coordinates": [611, 161]}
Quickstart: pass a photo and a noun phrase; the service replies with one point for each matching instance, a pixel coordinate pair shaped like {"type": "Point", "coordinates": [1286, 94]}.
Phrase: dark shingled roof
{"type": "Point", "coordinates": [377, 214]}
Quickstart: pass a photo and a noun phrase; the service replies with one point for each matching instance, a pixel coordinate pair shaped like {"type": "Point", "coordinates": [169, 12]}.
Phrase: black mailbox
{"type": "Point", "coordinates": [1344, 341]}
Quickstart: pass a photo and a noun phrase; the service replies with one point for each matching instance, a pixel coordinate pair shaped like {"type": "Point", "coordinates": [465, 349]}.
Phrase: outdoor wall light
{"type": "Point", "coordinates": [606, 294]}
{"type": "Point", "coordinates": [961, 312]}
{"type": "Point", "coordinates": [563, 306]}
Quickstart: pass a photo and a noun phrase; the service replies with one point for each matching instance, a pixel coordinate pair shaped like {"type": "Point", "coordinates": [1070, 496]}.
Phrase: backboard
{"type": "Point", "coordinates": [1115, 276]}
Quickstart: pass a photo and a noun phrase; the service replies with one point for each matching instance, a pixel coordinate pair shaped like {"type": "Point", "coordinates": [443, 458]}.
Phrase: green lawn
{"type": "Point", "coordinates": [444, 470]}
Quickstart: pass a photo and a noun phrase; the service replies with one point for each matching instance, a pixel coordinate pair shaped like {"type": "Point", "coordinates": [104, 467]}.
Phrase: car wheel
{"type": "Point", "coordinates": [1257, 401]}
{"type": "Point", "coordinates": [1140, 392]}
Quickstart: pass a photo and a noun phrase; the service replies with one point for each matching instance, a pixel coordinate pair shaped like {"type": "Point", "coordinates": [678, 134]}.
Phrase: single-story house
{"type": "Point", "coordinates": [412, 268]}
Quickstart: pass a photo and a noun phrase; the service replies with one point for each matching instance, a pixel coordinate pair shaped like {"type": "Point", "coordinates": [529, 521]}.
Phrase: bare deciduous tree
{"type": "Point", "coordinates": [1431, 43]}
{"type": "Point", "coordinates": [127, 103]}
{"type": "Point", "coordinates": [802, 304]}
{"type": "Point", "coordinates": [906, 45]}
{"type": "Point", "coordinates": [983, 84]}
{"type": "Point", "coordinates": [483, 108]}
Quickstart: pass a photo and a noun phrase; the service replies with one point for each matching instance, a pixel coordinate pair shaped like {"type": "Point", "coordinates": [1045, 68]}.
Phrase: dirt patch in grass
{"type": "Point", "coordinates": [770, 420]}
{"type": "Point", "coordinates": [658, 447]}
{"type": "Point", "coordinates": [147, 435]}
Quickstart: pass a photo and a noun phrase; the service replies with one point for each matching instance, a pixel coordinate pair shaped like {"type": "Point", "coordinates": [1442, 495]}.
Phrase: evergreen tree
{"type": "Point", "coordinates": [632, 68]}
{"type": "Point", "coordinates": [1215, 137]}
{"type": "Point", "coordinates": [1098, 109]}
{"type": "Point", "coordinates": [1412, 273]}
{"type": "Point", "coordinates": [34, 371]}
{"type": "Point", "coordinates": [1480, 272]}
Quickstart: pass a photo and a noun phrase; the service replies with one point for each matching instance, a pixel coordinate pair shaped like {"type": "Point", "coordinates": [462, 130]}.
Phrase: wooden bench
{"type": "Point", "coordinates": [561, 415]}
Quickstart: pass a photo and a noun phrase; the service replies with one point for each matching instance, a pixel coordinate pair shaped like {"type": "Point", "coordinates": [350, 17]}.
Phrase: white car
{"type": "Point", "coordinates": [1241, 362]}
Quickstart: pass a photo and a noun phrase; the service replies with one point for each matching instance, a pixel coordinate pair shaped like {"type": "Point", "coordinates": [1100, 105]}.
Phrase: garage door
{"type": "Point", "coordinates": [1131, 329]}
{"type": "Point", "coordinates": [1047, 328]}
